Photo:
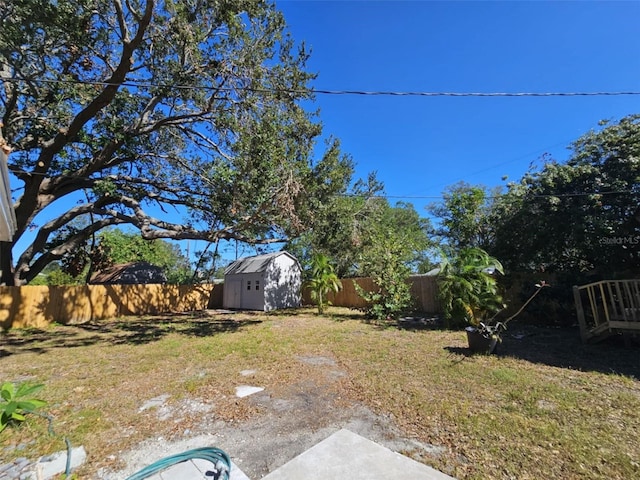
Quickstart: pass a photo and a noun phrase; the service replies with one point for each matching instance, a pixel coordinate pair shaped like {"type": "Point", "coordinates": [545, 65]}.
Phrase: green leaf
{"type": "Point", "coordinates": [18, 417]}
{"type": "Point", "coordinates": [10, 408]}
{"type": "Point", "coordinates": [25, 389]}
{"type": "Point", "coordinates": [31, 405]}
{"type": "Point", "coordinates": [8, 391]}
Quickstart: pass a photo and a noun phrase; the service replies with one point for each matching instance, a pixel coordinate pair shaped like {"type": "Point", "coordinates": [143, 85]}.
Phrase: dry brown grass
{"type": "Point", "coordinates": [547, 407]}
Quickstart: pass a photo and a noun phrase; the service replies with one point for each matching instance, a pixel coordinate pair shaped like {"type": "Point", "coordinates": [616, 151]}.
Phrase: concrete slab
{"type": "Point", "coordinates": [196, 469]}
{"type": "Point", "coordinates": [346, 455]}
{"type": "Point", "coordinates": [52, 465]}
{"type": "Point", "coordinates": [154, 402]}
{"type": "Point", "coordinates": [246, 390]}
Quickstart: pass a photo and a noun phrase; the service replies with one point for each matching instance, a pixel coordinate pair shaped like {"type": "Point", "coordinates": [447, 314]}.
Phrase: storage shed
{"type": "Point", "coordinates": [263, 282]}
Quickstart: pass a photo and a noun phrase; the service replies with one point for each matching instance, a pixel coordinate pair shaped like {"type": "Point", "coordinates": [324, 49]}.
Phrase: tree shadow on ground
{"type": "Point", "coordinates": [563, 348]}
{"type": "Point", "coordinates": [127, 331]}
{"type": "Point", "coordinates": [338, 314]}
{"type": "Point", "coordinates": [281, 312]}
{"type": "Point", "coordinates": [345, 317]}
{"type": "Point", "coordinates": [414, 322]}
{"type": "Point", "coordinates": [421, 321]}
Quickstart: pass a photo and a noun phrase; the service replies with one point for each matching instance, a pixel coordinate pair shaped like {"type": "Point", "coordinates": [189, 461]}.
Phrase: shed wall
{"type": "Point", "coordinates": [283, 284]}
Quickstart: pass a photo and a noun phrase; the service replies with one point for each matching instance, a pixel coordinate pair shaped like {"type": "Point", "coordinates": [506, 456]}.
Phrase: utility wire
{"type": "Point", "coordinates": [473, 94]}
{"type": "Point", "coordinates": [418, 197]}
{"type": "Point", "coordinates": [353, 92]}
{"type": "Point", "coordinates": [490, 197]}
{"type": "Point", "coordinates": [424, 197]}
{"type": "Point", "coordinates": [137, 84]}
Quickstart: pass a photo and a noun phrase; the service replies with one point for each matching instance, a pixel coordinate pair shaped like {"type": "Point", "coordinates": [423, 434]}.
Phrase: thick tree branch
{"type": "Point", "coordinates": [153, 228]}
{"type": "Point", "coordinates": [26, 207]}
{"type": "Point", "coordinates": [39, 243]}
{"type": "Point", "coordinates": [122, 22]}
{"type": "Point", "coordinates": [26, 273]}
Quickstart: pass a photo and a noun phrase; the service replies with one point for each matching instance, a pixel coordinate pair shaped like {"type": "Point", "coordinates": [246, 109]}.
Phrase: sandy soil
{"type": "Point", "coordinates": [285, 422]}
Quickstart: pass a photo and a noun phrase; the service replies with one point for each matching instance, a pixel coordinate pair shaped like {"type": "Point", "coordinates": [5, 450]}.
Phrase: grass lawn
{"type": "Point", "coordinates": [546, 407]}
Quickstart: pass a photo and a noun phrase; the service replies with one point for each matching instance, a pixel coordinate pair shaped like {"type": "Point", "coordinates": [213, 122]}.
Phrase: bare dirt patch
{"type": "Point", "coordinates": [546, 406]}
{"type": "Point", "coordinates": [284, 422]}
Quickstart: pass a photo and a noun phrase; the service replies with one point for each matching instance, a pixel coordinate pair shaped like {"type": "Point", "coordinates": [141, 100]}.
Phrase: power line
{"type": "Point", "coordinates": [135, 84]}
{"type": "Point", "coordinates": [473, 94]}
{"type": "Point", "coordinates": [351, 92]}
{"type": "Point", "coordinates": [492, 197]}
{"type": "Point", "coordinates": [426, 197]}
{"type": "Point", "coordinates": [497, 165]}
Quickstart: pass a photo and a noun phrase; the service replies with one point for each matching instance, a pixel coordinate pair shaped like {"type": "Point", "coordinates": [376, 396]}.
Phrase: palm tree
{"type": "Point", "coordinates": [467, 288]}
{"type": "Point", "coordinates": [323, 281]}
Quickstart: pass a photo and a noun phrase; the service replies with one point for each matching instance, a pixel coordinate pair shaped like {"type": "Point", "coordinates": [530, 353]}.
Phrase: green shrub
{"type": "Point", "coordinates": [323, 281]}
{"type": "Point", "coordinates": [393, 297]}
{"type": "Point", "coordinates": [467, 291]}
{"type": "Point", "coordinates": [14, 405]}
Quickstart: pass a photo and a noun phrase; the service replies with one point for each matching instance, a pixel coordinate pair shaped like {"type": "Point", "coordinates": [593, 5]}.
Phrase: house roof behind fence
{"type": "Point", "coordinates": [257, 264]}
{"type": "Point", "coordinates": [129, 273]}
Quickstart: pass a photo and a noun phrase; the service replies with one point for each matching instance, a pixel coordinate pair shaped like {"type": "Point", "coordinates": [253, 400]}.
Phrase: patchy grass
{"type": "Point", "coordinates": [547, 407]}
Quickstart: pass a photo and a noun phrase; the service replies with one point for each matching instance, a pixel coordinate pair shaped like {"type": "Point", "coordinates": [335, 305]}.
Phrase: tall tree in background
{"type": "Point", "coordinates": [338, 228]}
{"type": "Point", "coordinates": [578, 216]}
{"type": "Point", "coordinates": [352, 226]}
{"type": "Point", "coordinates": [122, 111]}
{"type": "Point", "coordinates": [463, 216]}
{"type": "Point", "coordinates": [116, 247]}
{"type": "Point", "coordinates": [398, 229]}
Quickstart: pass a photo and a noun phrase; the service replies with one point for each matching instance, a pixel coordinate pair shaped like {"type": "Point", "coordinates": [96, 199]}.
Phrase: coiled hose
{"type": "Point", "coordinates": [214, 455]}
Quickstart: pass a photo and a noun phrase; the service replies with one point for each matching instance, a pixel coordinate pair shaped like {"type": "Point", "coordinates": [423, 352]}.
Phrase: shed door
{"type": "Point", "coordinates": [253, 292]}
{"type": "Point", "coordinates": [233, 294]}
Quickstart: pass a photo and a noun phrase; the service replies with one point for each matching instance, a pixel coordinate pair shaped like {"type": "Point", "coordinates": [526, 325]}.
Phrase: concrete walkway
{"type": "Point", "coordinates": [195, 469]}
{"type": "Point", "coordinates": [342, 456]}
{"type": "Point", "coordinates": [345, 455]}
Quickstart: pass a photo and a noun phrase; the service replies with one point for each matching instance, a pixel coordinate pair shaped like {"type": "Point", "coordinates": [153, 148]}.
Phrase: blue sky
{"type": "Point", "coordinates": [419, 145]}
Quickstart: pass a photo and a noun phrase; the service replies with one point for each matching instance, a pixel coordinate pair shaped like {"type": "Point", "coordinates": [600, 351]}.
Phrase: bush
{"type": "Point", "coordinates": [14, 404]}
{"type": "Point", "coordinates": [467, 291]}
{"type": "Point", "coordinates": [393, 297]}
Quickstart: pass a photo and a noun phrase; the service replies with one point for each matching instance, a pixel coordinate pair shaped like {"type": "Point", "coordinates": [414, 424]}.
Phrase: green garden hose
{"type": "Point", "coordinates": [214, 455]}
{"type": "Point", "coordinates": [67, 469]}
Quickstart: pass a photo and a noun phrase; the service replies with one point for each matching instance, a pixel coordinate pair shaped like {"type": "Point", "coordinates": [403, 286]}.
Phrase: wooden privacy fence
{"type": "Point", "coordinates": [607, 307]}
{"type": "Point", "coordinates": [423, 289]}
{"type": "Point", "coordinates": [38, 306]}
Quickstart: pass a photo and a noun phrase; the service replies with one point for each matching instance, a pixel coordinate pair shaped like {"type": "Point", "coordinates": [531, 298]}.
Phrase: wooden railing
{"type": "Point", "coordinates": [607, 307]}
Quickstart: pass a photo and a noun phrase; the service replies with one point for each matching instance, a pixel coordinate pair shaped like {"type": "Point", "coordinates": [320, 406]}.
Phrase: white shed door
{"type": "Point", "coordinates": [233, 293]}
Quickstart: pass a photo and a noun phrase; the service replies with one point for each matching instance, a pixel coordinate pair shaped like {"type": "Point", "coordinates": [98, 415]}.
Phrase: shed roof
{"type": "Point", "coordinates": [256, 264]}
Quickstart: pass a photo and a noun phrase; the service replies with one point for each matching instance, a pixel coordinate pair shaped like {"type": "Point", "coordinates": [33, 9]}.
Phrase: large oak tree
{"type": "Point", "coordinates": [182, 118]}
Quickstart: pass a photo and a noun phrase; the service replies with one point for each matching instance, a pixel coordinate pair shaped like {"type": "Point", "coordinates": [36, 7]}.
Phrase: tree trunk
{"type": "Point", "coordinates": [6, 261]}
